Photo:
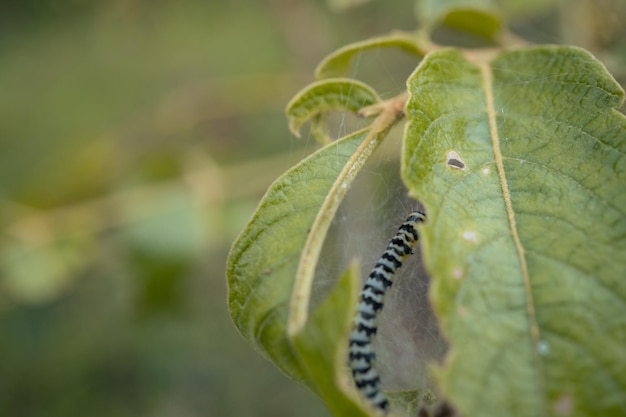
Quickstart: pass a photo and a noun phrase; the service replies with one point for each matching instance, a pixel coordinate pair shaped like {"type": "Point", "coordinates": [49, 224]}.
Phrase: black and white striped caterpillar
{"type": "Point", "coordinates": [361, 351]}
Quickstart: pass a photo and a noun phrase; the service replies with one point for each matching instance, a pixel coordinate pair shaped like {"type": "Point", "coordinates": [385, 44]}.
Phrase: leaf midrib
{"type": "Point", "coordinates": [487, 82]}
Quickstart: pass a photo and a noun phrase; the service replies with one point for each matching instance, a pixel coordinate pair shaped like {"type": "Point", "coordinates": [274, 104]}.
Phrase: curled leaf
{"type": "Point", "coordinates": [271, 264]}
{"type": "Point", "coordinates": [338, 63]}
{"type": "Point", "coordinates": [331, 94]}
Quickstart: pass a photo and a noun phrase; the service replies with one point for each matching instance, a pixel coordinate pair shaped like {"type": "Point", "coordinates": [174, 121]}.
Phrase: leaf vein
{"type": "Point", "coordinates": [487, 80]}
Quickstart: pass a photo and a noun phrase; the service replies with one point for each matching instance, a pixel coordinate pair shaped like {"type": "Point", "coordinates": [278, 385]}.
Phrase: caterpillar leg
{"type": "Point", "coordinates": [361, 351]}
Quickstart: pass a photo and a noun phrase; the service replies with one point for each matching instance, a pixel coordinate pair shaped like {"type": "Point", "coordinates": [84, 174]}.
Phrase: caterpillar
{"type": "Point", "coordinates": [361, 351]}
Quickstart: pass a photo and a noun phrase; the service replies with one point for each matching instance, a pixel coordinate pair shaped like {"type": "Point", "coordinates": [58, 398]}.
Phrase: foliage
{"type": "Point", "coordinates": [126, 171]}
{"type": "Point", "coordinates": [526, 235]}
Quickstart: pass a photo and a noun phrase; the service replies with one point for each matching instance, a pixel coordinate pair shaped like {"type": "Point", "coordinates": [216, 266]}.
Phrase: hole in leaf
{"type": "Point", "coordinates": [454, 160]}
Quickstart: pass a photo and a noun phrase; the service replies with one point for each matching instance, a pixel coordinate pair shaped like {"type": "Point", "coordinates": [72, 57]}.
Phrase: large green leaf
{"type": "Point", "coordinates": [272, 262]}
{"type": "Point", "coordinates": [519, 159]}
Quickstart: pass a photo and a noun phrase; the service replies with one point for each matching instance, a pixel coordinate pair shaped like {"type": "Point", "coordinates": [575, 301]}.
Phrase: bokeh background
{"type": "Point", "coordinates": [136, 138]}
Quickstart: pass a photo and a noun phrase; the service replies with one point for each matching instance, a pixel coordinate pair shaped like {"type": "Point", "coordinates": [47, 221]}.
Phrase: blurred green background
{"type": "Point", "coordinates": [136, 138]}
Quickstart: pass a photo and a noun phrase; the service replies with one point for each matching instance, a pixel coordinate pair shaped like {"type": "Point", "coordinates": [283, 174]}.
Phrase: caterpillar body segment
{"type": "Point", "coordinates": [361, 351]}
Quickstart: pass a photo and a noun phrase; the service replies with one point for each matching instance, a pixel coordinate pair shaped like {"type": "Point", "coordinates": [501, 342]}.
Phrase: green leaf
{"type": "Point", "coordinates": [331, 94]}
{"type": "Point", "coordinates": [271, 264]}
{"type": "Point", "coordinates": [473, 16]}
{"type": "Point", "coordinates": [339, 63]}
{"type": "Point", "coordinates": [322, 347]}
{"type": "Point", "coordinates": [478, 22]}
{"type": "Point", "coordinates": [430, 11]}
{"type": "Point", "coordinates": [526, 243]}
